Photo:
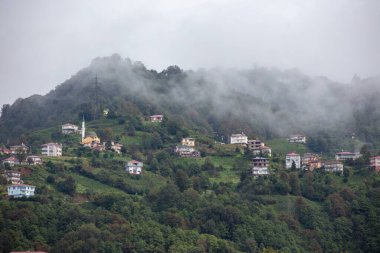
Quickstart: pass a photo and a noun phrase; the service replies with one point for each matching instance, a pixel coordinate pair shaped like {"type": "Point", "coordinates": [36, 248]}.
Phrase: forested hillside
{"type": "Point", "coordinates": [85, 201]}
{"type": "Point", "coordinates": [265, 102]}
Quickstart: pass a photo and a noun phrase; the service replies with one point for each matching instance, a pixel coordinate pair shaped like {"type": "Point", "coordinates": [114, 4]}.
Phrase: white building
{"type": "Point", "coordinates": [333, 166]}
{"type": "Point", "coordinates": [260, 166]}
{"type": "Point", "coordinates": [188, 142]}
{"type": "Point", "coordinates": [21, 190]}
{"type": "Point", "coordinates": [293, 157]}
{"type": "Point", "coordinates": [69, 128]}
{"type": "Point", "coordinates": [156, 118]}
{"type": "Point", "coordinates": [262, 150]}
{"type": "Point", "coordinates": [14, 177]}
{"type": "Point", "coordinates": [52, 149]}
{"type": "Point", "coordinates": [19, 148]}
{"type": "Point", "coordinates": [186, 151]}
{"type": "Point", "coordinates": [239, 139]}
{"type": "Point", "coordinates": [134, 167]}
{"type": "Point", "coordinates": [34, 159]}
{"type": "Point", "coordinates": [297, 138]}
{"type": "Point", "coordinates": [341, 156]}
{"type": "Point", "coordinates": [11, 161]}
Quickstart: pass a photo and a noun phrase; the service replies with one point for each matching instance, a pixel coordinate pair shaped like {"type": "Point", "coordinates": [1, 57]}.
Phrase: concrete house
{"type": "Point", "coordinates": [186, 151]}
{"type": "Point", "coordinates": [19, 148]}
{"type": "Point", "coordinates": [297, 138]}
{"type": "Point", "coordinates": [14, 177]}
{"type": "Point", "coordinates": [333, 166]}
{"type": "Point", "coordinates": [11, 161]}
{"type": "Point", "coordinates": [188, 142]}
{"type": "Point", "coordinates": [238, 139]}
{"type": "Point", "coordinates": [374, 162]}
{"type": "Point", "coordinates": [70, 129]}
{"type": "Point", "coordinates": [52, 149]}
{"type": "Point", "coordinates": [35, 160]}
{"type": "Point", "coordinates": [134, 167]}
{"type": "Point", "coordinates": [21, 190]}
{"type": "Point", "coordinates": [262, 150]}
{"type": "Point", "coordinates": [292, 157]}
{"type": "Point", "coordinates": [254, 144]}
{"type": "Point", "coordinates": [156, 118]}
{"type": "Point", "coordinates": [341, 156]}
{"type": "Point", "coordinates": [260, 166]}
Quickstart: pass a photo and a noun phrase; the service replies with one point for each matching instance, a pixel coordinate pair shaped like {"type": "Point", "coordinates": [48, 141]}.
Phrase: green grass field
{"type": "Point", "coordinates": [282, 147]}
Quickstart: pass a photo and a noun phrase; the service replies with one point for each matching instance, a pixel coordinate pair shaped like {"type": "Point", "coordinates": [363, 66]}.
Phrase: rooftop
{"type": "Point", "coordinates": [292, 154]}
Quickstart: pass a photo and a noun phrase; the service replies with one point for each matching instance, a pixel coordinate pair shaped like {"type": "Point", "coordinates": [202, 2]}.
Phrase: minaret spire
{"type": "Point", "coordinates": [83, 128]}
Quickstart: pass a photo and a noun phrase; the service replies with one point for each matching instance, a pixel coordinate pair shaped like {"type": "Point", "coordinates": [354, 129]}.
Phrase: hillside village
{"type": "Point", "coordinates": [125, 173]}
{"type": "Point", "coordinates": [18, 156]}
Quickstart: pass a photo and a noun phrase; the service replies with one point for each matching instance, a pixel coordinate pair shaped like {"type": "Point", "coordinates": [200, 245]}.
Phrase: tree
{"type": "Point", "coordinates": [30, 161]}
{"type": "Point", "coordinates": [182, 180]}
{"type": "Point", "coordinates": [131, 131]}
{"type": "Point", "coordinates": [294, 183]}
{"type": "Point", "coordinates": [20, 155]}
{"type": "Point", "coordinates": [294, 167]}
{"type": "Point", "coordinates": [366, 154]}
{"type": "Point", "coordinates": [304, 214]}
{"type": "Point", "coordinates": [68, 186]}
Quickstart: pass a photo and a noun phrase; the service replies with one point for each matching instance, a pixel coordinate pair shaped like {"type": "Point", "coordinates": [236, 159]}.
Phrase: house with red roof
{"type": "Point", "coordinates": [156, 118]}
{"type": "Point", "coordinates": [5, 151]}
{"type": "Point", "coordinates": [11, 161]}
{"type": "Point", "coordinates": [342, 156]}
{"type": "Point", "coordinates": [19, 148]}
{"type": "Point", "coordinates": [292, 157]}
{"type": "Point", "coordinates": [134, 167]}
{"type": "Point", "coordinates": [374, 162]}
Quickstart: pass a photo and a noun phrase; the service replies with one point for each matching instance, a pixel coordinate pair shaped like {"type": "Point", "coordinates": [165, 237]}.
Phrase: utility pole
{"type": "Point", "coordinates": [97, 106]}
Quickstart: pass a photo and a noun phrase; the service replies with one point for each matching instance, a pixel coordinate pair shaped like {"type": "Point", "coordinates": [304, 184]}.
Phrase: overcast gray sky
{"type": "Point", "coordinates": [44, 42]}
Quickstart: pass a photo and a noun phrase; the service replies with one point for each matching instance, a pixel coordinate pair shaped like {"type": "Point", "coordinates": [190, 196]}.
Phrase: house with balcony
{"type": "Point", "coordinates": [19, 148]}
{"type": "Point", "coordinates": [190, 142]}
{"type": "Point", "coordinates": [70, 129]}
{"type": "Point", "coordinates": [254, 144]}
{"type": "Point", "coordinates": [21, 190]}
{"type": "Point", "coordinates": [374, 162]}
{"type": "Point", "coordinates": [186, 151]}
{"type": "Point", "coordinates": [33, 160]}
{"type": "Point", "coordinates": [297, 138]}
{"type": "Point", "coordinates": [52, 149]}
{"type": "Point", "coordinates": [333, 166]}
{"type": "Point", "coordinates": [134, 167]}
{"type": "Point", "coordinates": [260, 166]}
{"type": "Point", "coordinates": [13, 177]}
{"type": "Point", "coordinates": [11, 161]}
{"type": "Point", "coordinates": [342, 156]}
{"type": "Point", "coordinates": [262, 150]}
{"type": "Point", "coordinates": [238, 139]}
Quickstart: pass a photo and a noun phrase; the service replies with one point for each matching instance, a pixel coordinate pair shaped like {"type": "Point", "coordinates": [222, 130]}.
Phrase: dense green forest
{"type": "Point", "coordinates": [86, 202]}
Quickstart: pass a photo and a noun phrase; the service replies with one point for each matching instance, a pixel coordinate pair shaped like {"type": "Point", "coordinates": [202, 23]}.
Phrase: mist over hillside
{"type": "Point", "coordinates": [263, 102]}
